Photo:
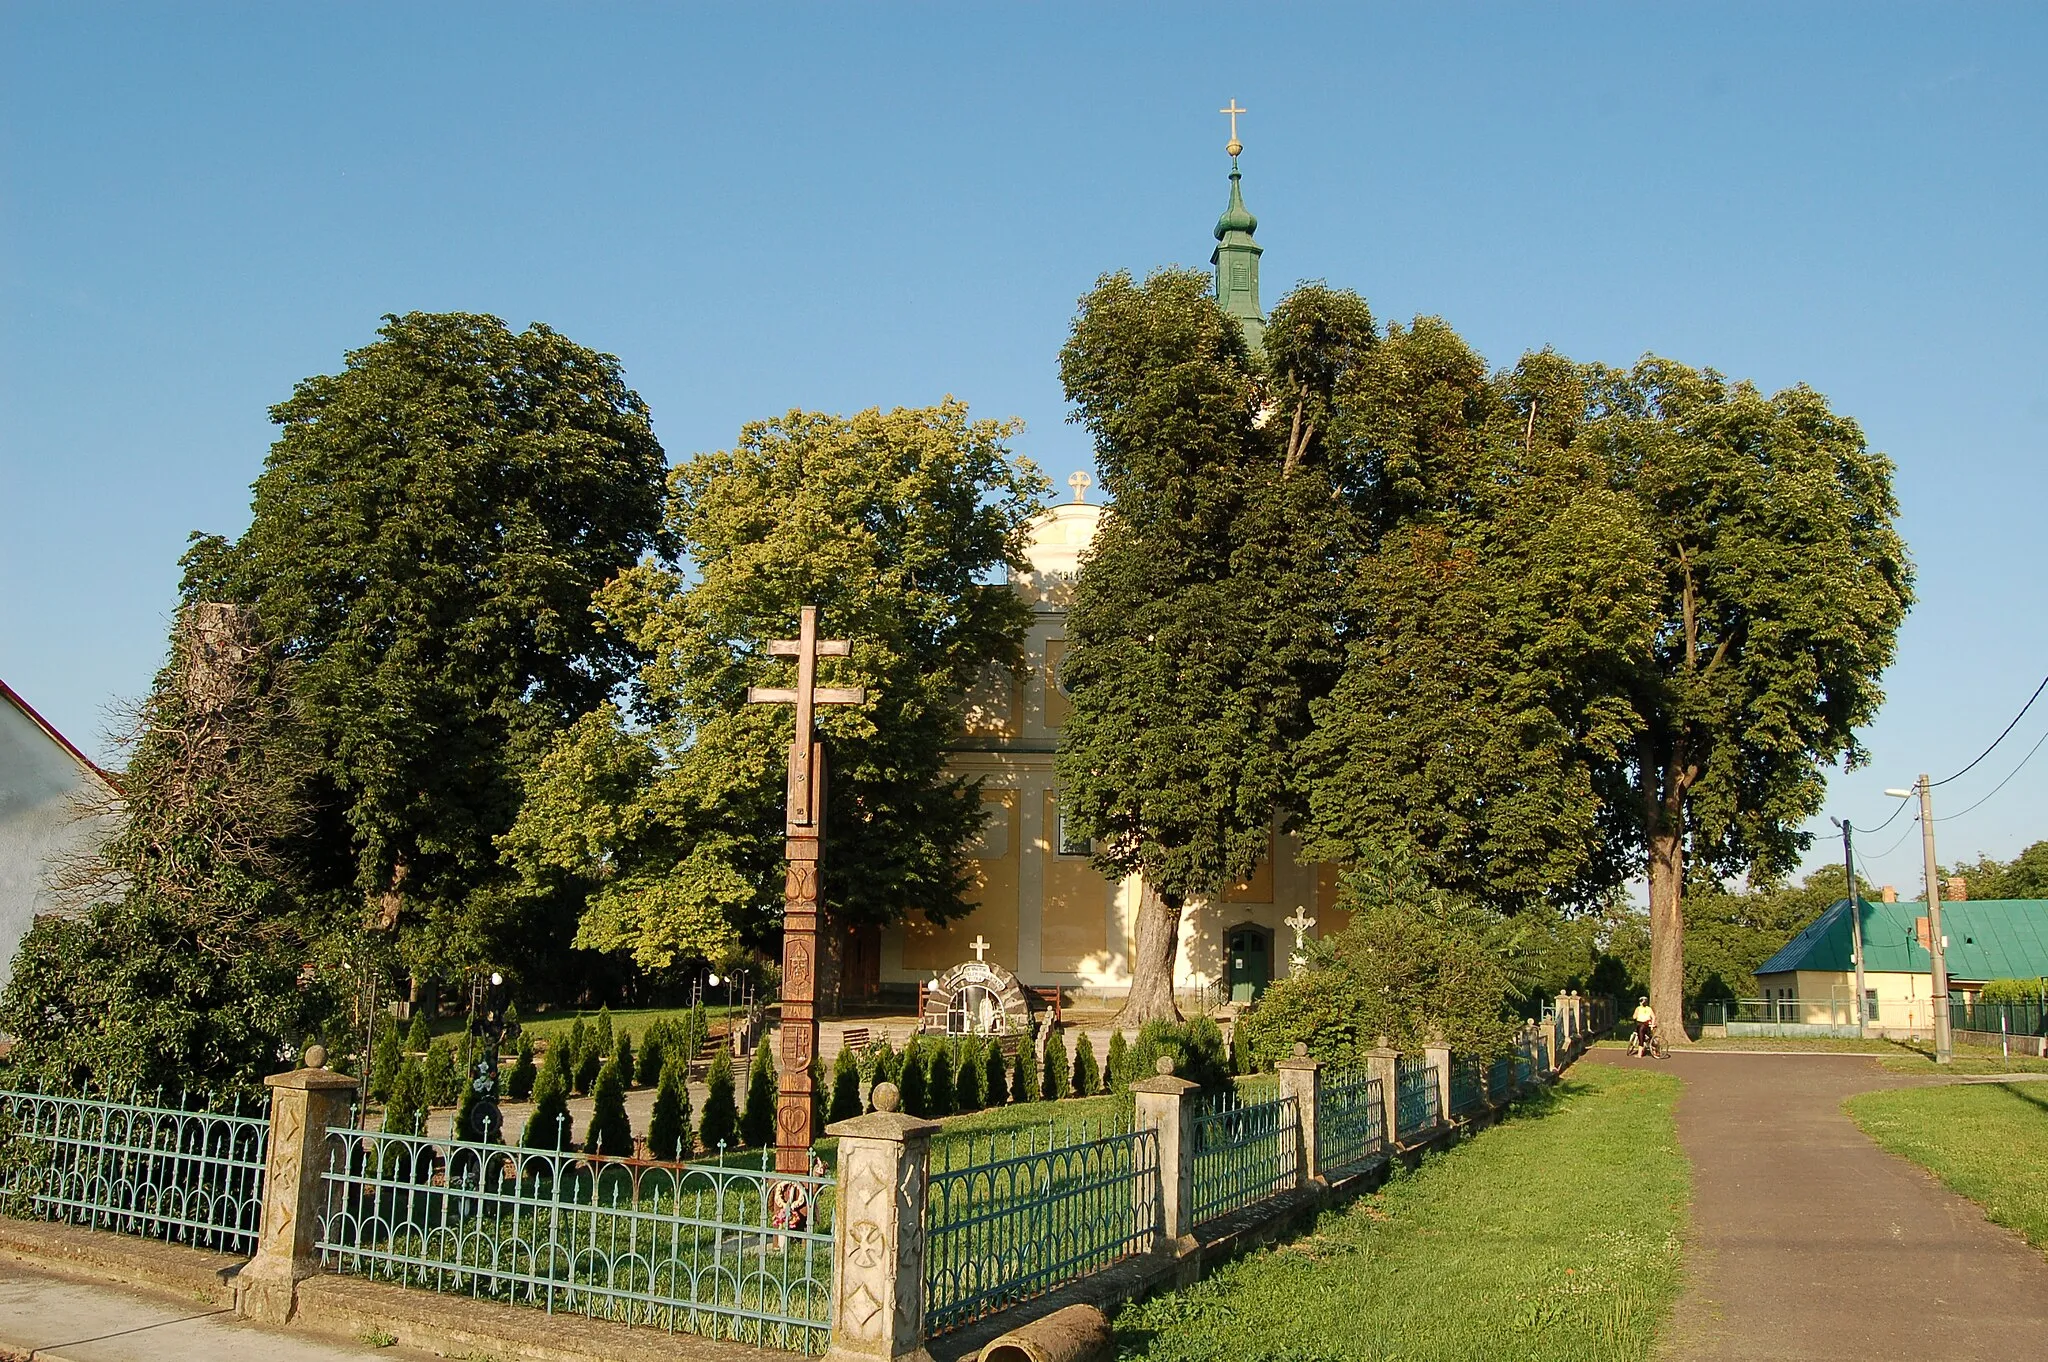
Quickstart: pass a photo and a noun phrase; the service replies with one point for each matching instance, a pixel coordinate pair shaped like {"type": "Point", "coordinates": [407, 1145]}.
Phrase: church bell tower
{"type": "Point", "coordinates": [1236, 257]}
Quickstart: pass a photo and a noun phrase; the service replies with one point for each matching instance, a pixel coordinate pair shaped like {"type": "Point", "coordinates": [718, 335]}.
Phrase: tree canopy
{"type": "Point", "coordinates": [900, 526]}
{"type": "Point", "coordinates": [2025, 876]}
{"type": "Point", "coordinates": [427, 534]}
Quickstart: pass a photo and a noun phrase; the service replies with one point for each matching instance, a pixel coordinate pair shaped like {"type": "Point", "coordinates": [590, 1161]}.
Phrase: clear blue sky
{"type": "Point", "coordinates": [764, 207]}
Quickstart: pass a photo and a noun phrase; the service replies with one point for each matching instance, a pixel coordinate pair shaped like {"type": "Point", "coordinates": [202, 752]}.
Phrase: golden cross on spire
{"type": "Point", "coordinates": [1233, 110]}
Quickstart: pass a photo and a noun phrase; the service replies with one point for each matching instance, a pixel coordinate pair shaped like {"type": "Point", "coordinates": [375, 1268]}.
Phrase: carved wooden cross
{"type": "Point", "coordinates": [804, 829]}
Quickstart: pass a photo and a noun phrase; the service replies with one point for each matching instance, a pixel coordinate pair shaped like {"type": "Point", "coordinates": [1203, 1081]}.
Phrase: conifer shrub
{"type": "Point", "coordinates": [587, 1065]}
{"type": "Point", "coordinates": [1057, 1073]}
{"type": "Point", "coordinates": [880, 1063]}
{"type": "Point", "coordinates": [821, 1095]}
{"type": "Point", "coordinates": [699, 1031]}
{"type": "Point", "coordinates": [938, 1081]}
{"type": "Point", "coordinates": [622, 1054]}
{"type": "Point", "coordinates": [405, 1111]}
{"type": "Point", "coordinates": [1119, 1074]}
{"type": "Point", "coordinates": [845, 1103]}
{"type": "Point", "coordinates": [420, 1035]}
{"type": "Point", "coordinates": [572, 1049]}
{"type": "Point", "coordinates": [720, 1128]}
{"type": "Point", "coordinates": [967, 1074]}
{"type": "Point", "coordinates": [601, 1037]}
{"type": "Point", "coordinates": [1194, 1045]}
{"type": "Point", "coordinates": [757, 1117]}
{"type": "Point", "coordinates": [995, 1074]}
{"type": "Point", "coordinates": [511, 1022]}
{"type": "Point", "coordinates": [610, 1131]}
{"type": "Point", "coordinates": [386, 1058]}
{"type": "Point", "coordinates": [1087, 1076]}
{"type": "Point", "coordinates": [443, 1080]}
{"type": "Point", "coordinates": [549, 1127]}
{"type": "Point", "coordinates": [1024, 1073]}
{"type": "Point", "coordinates": [654, 1054]}
{"type": "Point", "coordinates": [519, 1083]}
{"type": "Point", "coordinates": [668, 1128]}
{"type": "Point", "coordinates": [912, 1075]}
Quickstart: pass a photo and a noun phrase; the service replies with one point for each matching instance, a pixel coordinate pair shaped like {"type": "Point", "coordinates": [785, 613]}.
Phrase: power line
{"type": "Point", "coordinates": [1897, 809]}
{"type": "Point", "coordinates": [1997, 740]}
{"type": "Point", "coordinates": [2001, 784]}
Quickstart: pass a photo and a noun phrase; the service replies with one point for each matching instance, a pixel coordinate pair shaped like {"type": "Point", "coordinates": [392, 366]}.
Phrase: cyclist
{"type": "Point", "coordinates": [1645, 1041]}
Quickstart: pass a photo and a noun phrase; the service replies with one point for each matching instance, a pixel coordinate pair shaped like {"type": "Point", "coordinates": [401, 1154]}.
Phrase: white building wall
{"type": "Point", "coordinates": [40, 782]}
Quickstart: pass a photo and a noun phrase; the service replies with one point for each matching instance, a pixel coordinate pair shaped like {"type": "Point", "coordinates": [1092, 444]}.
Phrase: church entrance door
{"type": "Point", "coordinates": [1250, 966]}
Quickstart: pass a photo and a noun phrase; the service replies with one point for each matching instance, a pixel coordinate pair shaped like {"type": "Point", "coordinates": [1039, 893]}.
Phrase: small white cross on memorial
{"type": "Point", "coordinates": [978, 946]}
{"type": "Point", "coordinates": [1080, 482]}
{"type": "Point", "coordinates": [1301, 922]}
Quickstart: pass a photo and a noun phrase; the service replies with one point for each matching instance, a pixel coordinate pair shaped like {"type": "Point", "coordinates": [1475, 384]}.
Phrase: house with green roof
{"type": "Point", "coordinates": [1813, 978]}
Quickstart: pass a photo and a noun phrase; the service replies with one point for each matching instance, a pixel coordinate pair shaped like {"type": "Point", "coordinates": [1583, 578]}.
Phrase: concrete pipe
{"type": "Point", "coordinates": [1079, 1333]}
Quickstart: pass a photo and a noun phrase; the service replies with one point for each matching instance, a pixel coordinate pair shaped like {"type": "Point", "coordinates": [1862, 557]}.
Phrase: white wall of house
{"type": "Point", "coordinates": [40, 783]}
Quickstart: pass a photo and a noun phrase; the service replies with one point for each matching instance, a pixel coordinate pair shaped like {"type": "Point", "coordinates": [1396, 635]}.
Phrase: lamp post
{"type": "Point", "coordinates": [1937, 946]}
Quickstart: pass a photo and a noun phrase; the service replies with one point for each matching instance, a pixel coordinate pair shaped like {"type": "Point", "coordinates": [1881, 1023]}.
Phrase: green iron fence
{"type": "Point", "coordinates": [717, 1249]}
{"type": "Point", "coordinates": [1244, 1151]}
{"type": "Point", "coordinates": [1013, 1217]}
{"type": "Point", "coordinates": [1525, 1064]}
{"type": "Point", "coordinates": [2012, 1019]}
{"type": "Point", "coordinates": [163, 1172]}
{"type": "Point", "coordinates": [1468, 1086]}
{"type": "Point", "coordinates": [1351, 1125]}
{"type": "Point", "coordinates": [1500, 1078]}
{"type": "Point", "coordinates": [1416, 1106]}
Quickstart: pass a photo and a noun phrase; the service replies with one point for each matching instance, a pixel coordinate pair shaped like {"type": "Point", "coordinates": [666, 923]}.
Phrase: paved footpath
{"type": "Point", "coordinates": [48, 1318]}
{"type": "Point", "coordinates": [1811, 1243]}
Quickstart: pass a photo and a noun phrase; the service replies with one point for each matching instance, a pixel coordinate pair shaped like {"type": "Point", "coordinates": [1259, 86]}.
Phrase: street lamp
{"type": "Point", "coordinates": [1937, 946]}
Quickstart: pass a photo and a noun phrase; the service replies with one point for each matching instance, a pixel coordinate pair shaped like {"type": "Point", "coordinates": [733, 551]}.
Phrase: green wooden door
{"type": "Point", "coordinates": [1250, 968]}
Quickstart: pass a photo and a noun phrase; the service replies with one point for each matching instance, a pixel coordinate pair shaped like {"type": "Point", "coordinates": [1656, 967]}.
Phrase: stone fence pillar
{"type": "Point", "coordinates": [303, 1104]}
{"type": "Point", "coordinates": [1165, 1105]}
{"type": "Point", "coordinates": [1302, 1079]}
{"type": "Point", "coordinates": [1564, 1016]}
{"type": "Point", "coordinates": [878, 1238]}
{"type": "Point", "coordinates": [1546, 1054]}
{"type": "Point", "coordinates": [1383, 1062]}
{"type": "Point", "coordinates": [1438, 1053]}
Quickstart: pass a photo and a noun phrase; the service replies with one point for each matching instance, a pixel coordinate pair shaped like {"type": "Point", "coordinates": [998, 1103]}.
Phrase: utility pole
{"type": "Point", "coordinates": [1937, 945]}
{"type": "Point", "coordinates": [1855, 922]}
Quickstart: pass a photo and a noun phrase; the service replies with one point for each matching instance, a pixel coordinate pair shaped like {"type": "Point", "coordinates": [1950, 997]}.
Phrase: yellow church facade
{"type": "Point", "coordinates": [1044, 912]}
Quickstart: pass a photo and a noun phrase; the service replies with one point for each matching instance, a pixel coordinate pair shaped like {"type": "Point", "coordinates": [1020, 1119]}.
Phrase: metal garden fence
{"type": "Point", "coordinates": [1525, 1064]}
{"type": "Point", "coordinates": [717, 1249]}
{"type": "Point", "coordinates": [187, 1176]}
{"type": "Point", "coordinates": [1416, 1106]}
{"type": "Point", "coordinates": [1468, 1086]}
{"type": "Point", "coordinates": [1500, 1077]}
{"type": "Point", "coordinates": [2013, 1019]}
{"type": "Point", "coordinates": [1244, 1151]}
{"type": "Point", "coordinates": [1007, 1219]}
{"type": "Point", "coordinates": [1351, 1125]}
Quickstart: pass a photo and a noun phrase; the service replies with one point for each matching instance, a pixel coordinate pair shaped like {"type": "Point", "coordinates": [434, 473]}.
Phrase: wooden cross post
{"type": "Point", "coordinates": [804, 827]}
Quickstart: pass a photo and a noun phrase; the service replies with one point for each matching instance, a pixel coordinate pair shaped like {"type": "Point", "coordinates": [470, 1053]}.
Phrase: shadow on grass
{"type": "Point", "coordinates": [2016, 1091]}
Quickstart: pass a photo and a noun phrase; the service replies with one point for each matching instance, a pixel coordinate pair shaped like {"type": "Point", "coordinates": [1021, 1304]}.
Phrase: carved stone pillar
{"type": "Point", "coordinates": [303, 1104]}
{"type": "Point", "coordinates": [878, 1242]}
{"type": "Point", "coordinates": [1302, 1079]}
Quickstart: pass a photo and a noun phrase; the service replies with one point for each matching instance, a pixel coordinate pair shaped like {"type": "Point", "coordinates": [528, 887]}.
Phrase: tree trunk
{"type": "Point", "coordinates": [1667, 926]}
{"type": "Point", "coordinates": [1153, 961]}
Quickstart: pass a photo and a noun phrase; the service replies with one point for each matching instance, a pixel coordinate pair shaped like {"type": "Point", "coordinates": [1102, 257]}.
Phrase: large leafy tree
{"type": "Point", "coordinates": [1204, 612]}
{"type": "Point", "coordinates": [1495, 596]}
{"type": "Point", "coordinates": [1777, 585]}
{"type": "Point", "coordinates": [428, 531]}
{"type": "Point", "coordinates": [2025, 876]}
{"type": "Point", "coordinates": [900, 526]}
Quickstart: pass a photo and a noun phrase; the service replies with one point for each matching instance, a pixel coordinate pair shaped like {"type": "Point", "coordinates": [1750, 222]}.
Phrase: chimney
{"type": "Point", "coordinates": [1956, 890]}
{"type": "Point", "coordinates": [1888, 894]}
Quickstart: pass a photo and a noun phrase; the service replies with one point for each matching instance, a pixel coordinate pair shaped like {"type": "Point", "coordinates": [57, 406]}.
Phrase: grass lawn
{"type": "Point", "coordinates": [1986, 1141]}
{"type": "Point", "coordinates": [1555, 1235]}
{"type": "Point", "coordinates": [549, 1026]}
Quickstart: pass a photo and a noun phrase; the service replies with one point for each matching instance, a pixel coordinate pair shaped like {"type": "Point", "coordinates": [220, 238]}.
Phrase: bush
{"type": "Point", "coordinates": [549, 1127]}
{"type": "Point", "coordinates": [995, 1073]}
{"type": "Point", "coordinates": [845, 1088]}
{"type": "Point", "coordinates": [967, 1074]}
{"type": "Point", "coordinates": [820, 1094]}
{"type": "Point", "coordinates": [668, 1128]}
{"type": "Point", "coordinates": [622, 1055]}
{"type": "Point", "coordinates": [720, 1127]}
{"type": "Point", "coordinates": [2014, 991]}
{"type": "Point", "coordinates": [1057, 1075]}
{"type": "Point", "coordinates": [405, 1111]}
{"type": "Point", "coordinates": [572, 1049]}
{"type": "Point", "coordinates": [1024, 1073]}
{"type": "Point", "coordinates": [444, 1081]}
{"type": "Point", "coordinates": [1119, 1062]}
{"type": "Point", "coordinates": [654, 1054]}
{"type": "Point", "coordinates": [601, 1038]}
{"type": "Point", "coordinates": [1195, 1046]}
{"type": "Point", "coordinates": [419, 1036]}
{"type": "Point", "coordinates": [938, 1083]}
{"type": "Point", "coordinates": [610, 1131]}
{"type": "Point", "coordinates": [757, 1120]}
{"type": "Point", "coordinates": [1087, 1078]}
{"type": "Point", "coordinates": [519, 1083]}
{"type": "Point", "coordinates": [587, 1065]}
{"type": "Point", "coordinates": [1414, 962]}
{"type": "Point", "coordinates": [385, 1060]}
{"type": "Point", "coordinates": [880, 1063]}
{"type": "Point", "coordinates": [911, 1079]}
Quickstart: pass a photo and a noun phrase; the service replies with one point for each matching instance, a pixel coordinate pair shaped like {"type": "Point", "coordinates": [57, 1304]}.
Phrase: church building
{"type": "Point", "coordinates": [1045, 914]}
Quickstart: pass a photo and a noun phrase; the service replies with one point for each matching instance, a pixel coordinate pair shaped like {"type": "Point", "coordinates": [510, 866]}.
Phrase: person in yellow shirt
{"type": "Point", "coordinates": [1645, 1042]}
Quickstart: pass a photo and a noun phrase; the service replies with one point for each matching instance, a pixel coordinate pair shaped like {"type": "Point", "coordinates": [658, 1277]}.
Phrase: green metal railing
{"type": "Point", "coordinates": [1244, 1151]}
{"type": "Point", "coordinates": [1351, 1125]}
{"type": "Point", "coordinates": [1468, 1086]}
{"type": "Point", "coordinates": [717, 1249]}
{"type": "Point", "coordinates": [1500, 1078]}
{"type": "Point", "coordinates": [1525, 1063]}
{"type": "Point", "coordinates": [187, 1176]}
{"type": "Point", "coordinates": [1416, 1105]}
{"type": "Point", "coordinates": [1013, 1217]}
{"type": "Point", "coordinates": [2013, 1019]}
